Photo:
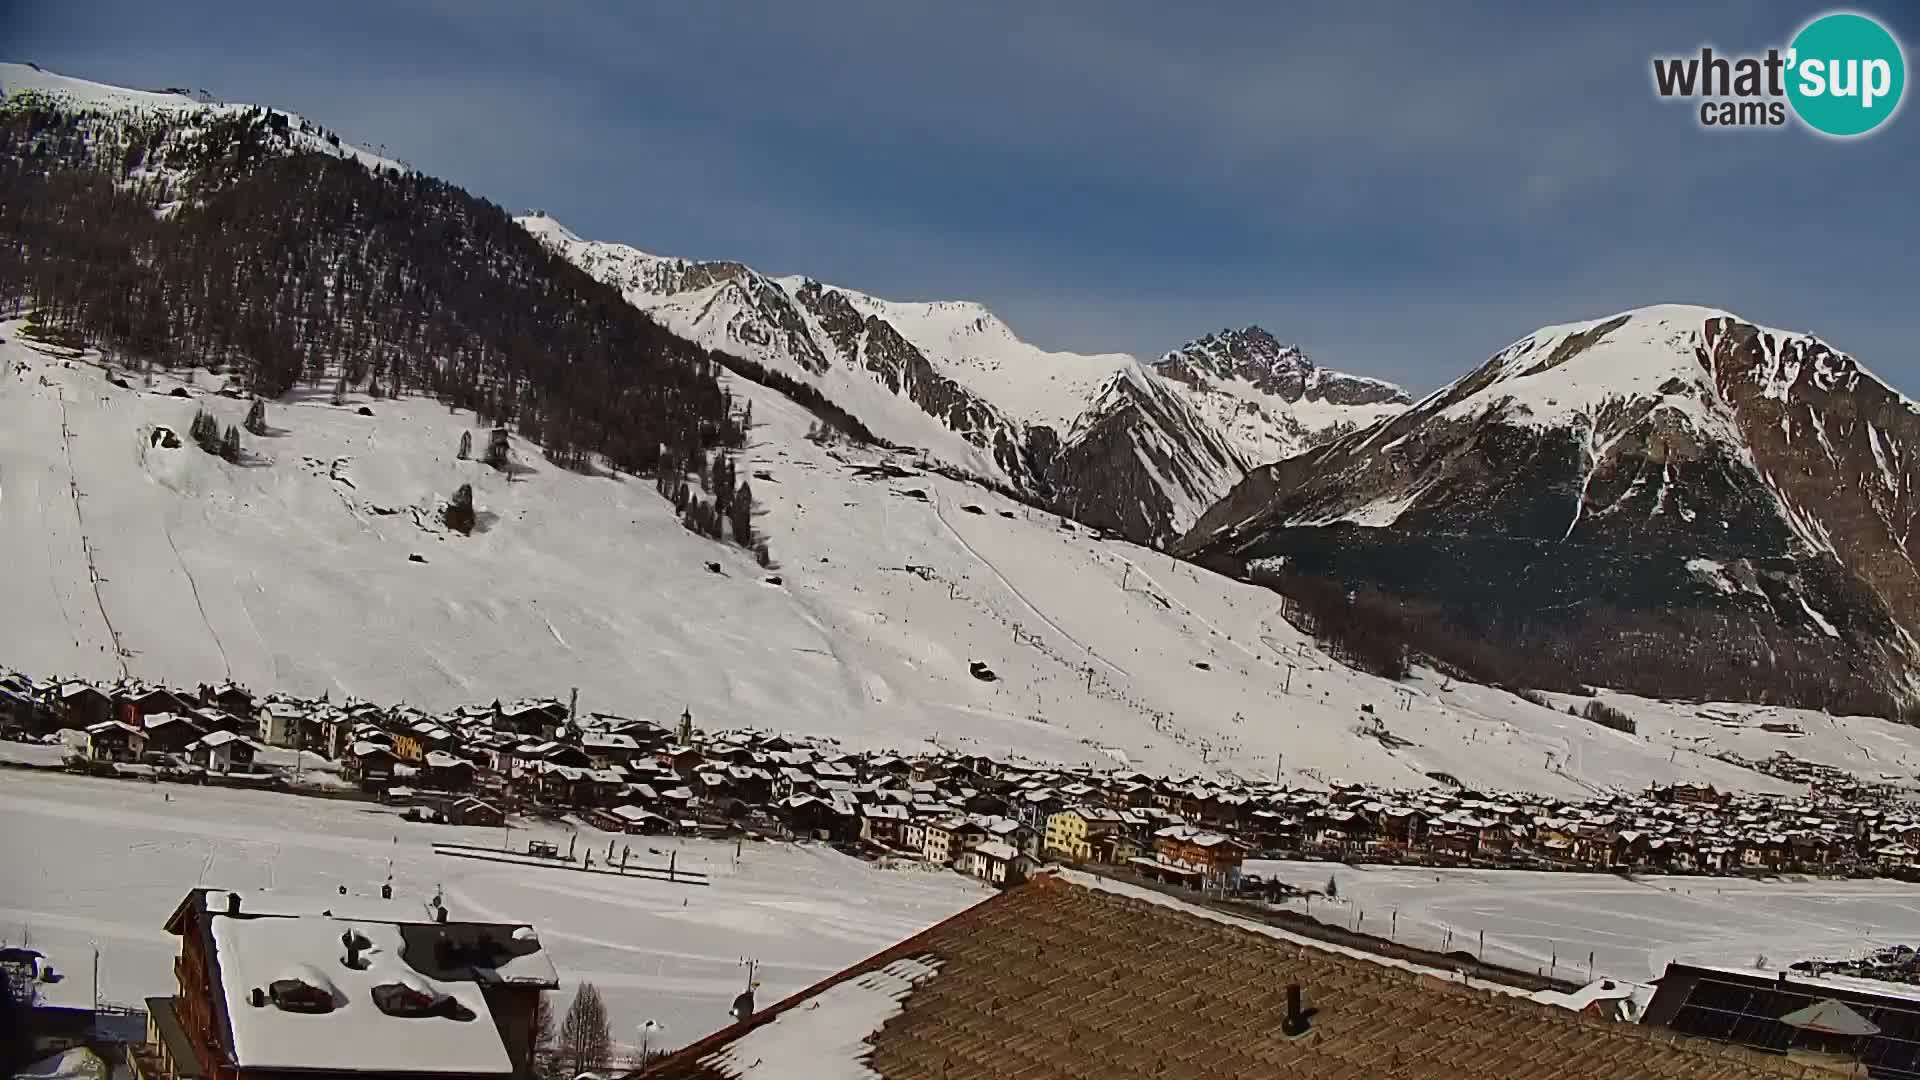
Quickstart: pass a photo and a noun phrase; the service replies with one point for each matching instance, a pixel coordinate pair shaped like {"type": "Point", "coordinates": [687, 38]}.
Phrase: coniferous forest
{"type": "Point", "coordinates": [214, 240]}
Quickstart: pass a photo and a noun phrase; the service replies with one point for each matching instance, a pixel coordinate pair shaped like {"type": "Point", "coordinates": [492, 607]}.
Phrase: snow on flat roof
{"type": "Point", "coordinates": [1803, 980]}
{"type": "Point", "coordinates": [357, 1034]}
{"type": "Point", "coordinates": [825, 1037]}
{"type": "Point", "coordinates": [365, 908]}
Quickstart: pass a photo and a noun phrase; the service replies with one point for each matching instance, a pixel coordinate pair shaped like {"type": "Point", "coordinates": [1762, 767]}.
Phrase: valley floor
{"type": "Point", "coordinates": [1632, 927]}
{"type": "Point", "coordinates": [105, 862]}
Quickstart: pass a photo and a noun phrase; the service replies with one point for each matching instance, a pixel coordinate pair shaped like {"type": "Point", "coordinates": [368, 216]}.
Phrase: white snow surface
{"type": "Point", "coordinates": [357, 1034]}
{"type": "Point", "coordinates": [1160, 899]}
{"type": "Point", "coordinates": [107, 861]}
{"type": "Point", "coordinates": [825, 1037]}
{"type": "Point", "coordinates": [1550, 922]}
{"type": "Point", "coordinates": [290, 572]}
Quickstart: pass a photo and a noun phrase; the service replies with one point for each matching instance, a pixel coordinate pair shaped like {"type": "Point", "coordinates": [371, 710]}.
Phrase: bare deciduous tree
{"type": "Point", "coordinates": [585, 1043]}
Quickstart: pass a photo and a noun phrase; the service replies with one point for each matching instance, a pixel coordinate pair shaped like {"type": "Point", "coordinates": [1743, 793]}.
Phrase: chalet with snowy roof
{"type": "Point", "coordinates": [604, 749]}
{"type": "Point", "coordinates": [542, 717]}
{"type": "Point", "coordinates": [370, 765]}
{"type": "Point", "coordinates": [882, 824]}
{"type": "Point", "coordinates": [112, 740]}
{"type": "Point", "coordinates": [815, 818]}
{"type": "Point", "coordinates": [170, 733]}
{"type": "Point", "coordinates": [475, 812]}
{"type": "Point", "coordinates": [947, 839]}
{"type": "Point", "coordinates": [632, 818]}
{"type": "Point", "coordinates": [22, 712]}
{"type": "Point", "coordinates": [996, 863]}
{"type": "Point", "coordinates": [1216, 857]}
{"type": "Point", "coordinates": [280, 723]}
{"type": "Point", "coordinates": [82, 705]}
{"type": "Point", "coordinates": [273, 986]}
{"type": "Point", "coordinates": [222, 752]}
{"type": "Point", "coordinates": [132, 705]}
{"type": "Point", "coordinates": [229, 698]}
{"type": "Point", "coordinates": [442, 771]}
{"type": "Point", "coordinates": [1069, 976]}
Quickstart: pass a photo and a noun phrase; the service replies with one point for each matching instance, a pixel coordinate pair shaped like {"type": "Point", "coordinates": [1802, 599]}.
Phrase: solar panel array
{"type": "Point", "coordinates": [1733, 1010]}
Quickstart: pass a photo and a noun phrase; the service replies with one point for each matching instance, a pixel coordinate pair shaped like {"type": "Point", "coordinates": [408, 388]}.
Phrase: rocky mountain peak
{"type": "Point", "coordinates": [1253, 355]}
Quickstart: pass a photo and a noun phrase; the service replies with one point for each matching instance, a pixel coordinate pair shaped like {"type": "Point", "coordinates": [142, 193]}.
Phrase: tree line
{"type": "Point", "coordinates": [188, 241]}
{"type": "Point", "coordinates": [1690, 655]}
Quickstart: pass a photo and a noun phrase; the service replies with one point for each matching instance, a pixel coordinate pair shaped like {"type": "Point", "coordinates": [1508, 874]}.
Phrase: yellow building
{"type": "Point", "coordinates": [1074, 833]}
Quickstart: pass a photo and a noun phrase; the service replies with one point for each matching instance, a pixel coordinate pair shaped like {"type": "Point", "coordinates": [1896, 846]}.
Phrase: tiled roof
{"type": "Point", "coordinates": [1057, 980]}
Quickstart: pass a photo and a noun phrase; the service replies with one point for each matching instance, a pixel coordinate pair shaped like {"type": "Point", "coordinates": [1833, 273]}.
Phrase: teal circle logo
{"type": "Point", "coordinates": [1846, 74]}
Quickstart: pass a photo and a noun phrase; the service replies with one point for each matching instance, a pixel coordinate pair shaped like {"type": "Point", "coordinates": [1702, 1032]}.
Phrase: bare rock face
{"type": "Point", "coordinates": [1735, 500]}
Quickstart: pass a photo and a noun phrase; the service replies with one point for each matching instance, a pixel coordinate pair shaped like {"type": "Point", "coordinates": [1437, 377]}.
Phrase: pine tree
{"type": "Point", "coordinates": [256, 422]}
{"type": "Point", "coordinates": [740, 516]}
{"type": "Point", "coordinates": [205, 432]}
{"type": "Point", "coordinates": [681, 496]}
{"type": "Point", "coordinates": [230, 444]}
{"type": "Point", "coordinates": [585, 1042]}
{"type": "Point", "coordinates": [459, 514]}
{"type": "Point", "coordinates": [466, 446]}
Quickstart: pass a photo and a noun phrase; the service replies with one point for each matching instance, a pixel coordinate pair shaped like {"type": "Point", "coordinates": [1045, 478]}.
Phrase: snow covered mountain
{"type": "Point", "coordinates": [1736, 496]}
{"type": "Point", "coordinates": [115, 112]}
{"type": "Point", "coordinates": [1115, 443]}
{"type": "Point", "coordinates": [1269, 399]}
{"type": "Point", "coordinates": [294, 569]}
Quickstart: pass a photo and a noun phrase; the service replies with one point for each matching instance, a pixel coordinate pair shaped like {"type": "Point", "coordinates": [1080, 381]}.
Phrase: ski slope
{"type": "Point", "coordinates": [293, 571]}
{"type": "Point", "coordinates": [105, 862]}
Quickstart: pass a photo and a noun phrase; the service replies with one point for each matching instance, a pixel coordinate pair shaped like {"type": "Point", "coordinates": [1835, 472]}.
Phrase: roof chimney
{"type": "Point", "coordinates": [233, 903]}
{"type": "Point", "coordinates": [1295, 1024]}
{"type": "Point", "coordinates": [259, 998]}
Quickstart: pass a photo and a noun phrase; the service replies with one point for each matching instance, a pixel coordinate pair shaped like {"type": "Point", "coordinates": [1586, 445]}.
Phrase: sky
{"type": "Point", "coordinates": [1403, 189]}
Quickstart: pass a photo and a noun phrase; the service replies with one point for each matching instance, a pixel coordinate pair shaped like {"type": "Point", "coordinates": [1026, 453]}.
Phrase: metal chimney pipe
{"type": "Point", "coordinates": [1295, 1023]}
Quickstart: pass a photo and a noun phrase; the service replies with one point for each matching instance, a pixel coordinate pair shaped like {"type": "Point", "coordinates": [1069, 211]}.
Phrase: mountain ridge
{"type": "Point", "coordinates": [1001, 407]}
{"type": "Point", "coordinates": [1744, 491]}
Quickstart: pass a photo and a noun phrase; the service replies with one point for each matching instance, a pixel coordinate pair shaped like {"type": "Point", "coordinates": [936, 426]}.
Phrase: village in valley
{"type": "Point", "coordinates": [486, 764]}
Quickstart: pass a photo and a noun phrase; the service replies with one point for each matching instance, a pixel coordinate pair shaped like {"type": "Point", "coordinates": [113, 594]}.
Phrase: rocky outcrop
{"type": "Point", "coordinates": [1256, 357]}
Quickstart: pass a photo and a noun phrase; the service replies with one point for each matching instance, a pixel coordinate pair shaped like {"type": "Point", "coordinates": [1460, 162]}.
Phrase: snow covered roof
{"type": "Point", "coordinates": [356, 1033]}
{"type": "Point", "coordinates": [213, 739]}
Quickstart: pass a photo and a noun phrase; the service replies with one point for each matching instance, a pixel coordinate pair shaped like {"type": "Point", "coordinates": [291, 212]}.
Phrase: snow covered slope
{"type": "Point", "coordinates": [120, 108]}
{"type": "Point", "coordinates": [292, 570]}
{"type": "Point", "coordinates": [1676, 461]}
{"type": "Point", "coordinates": [1103, 438]}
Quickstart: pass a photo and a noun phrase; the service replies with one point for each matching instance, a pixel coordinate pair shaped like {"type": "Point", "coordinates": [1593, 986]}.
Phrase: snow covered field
{"type": "Point", "coordinates": [292, 571]}
{"type": "Point", "coordinates": [1632, 927]}
{"type": "Point", "coordinates": [106, 861]}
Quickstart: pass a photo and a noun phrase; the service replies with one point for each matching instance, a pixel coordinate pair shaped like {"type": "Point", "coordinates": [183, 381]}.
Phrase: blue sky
{"type": "Point", "coordinates": [1402, 188]}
